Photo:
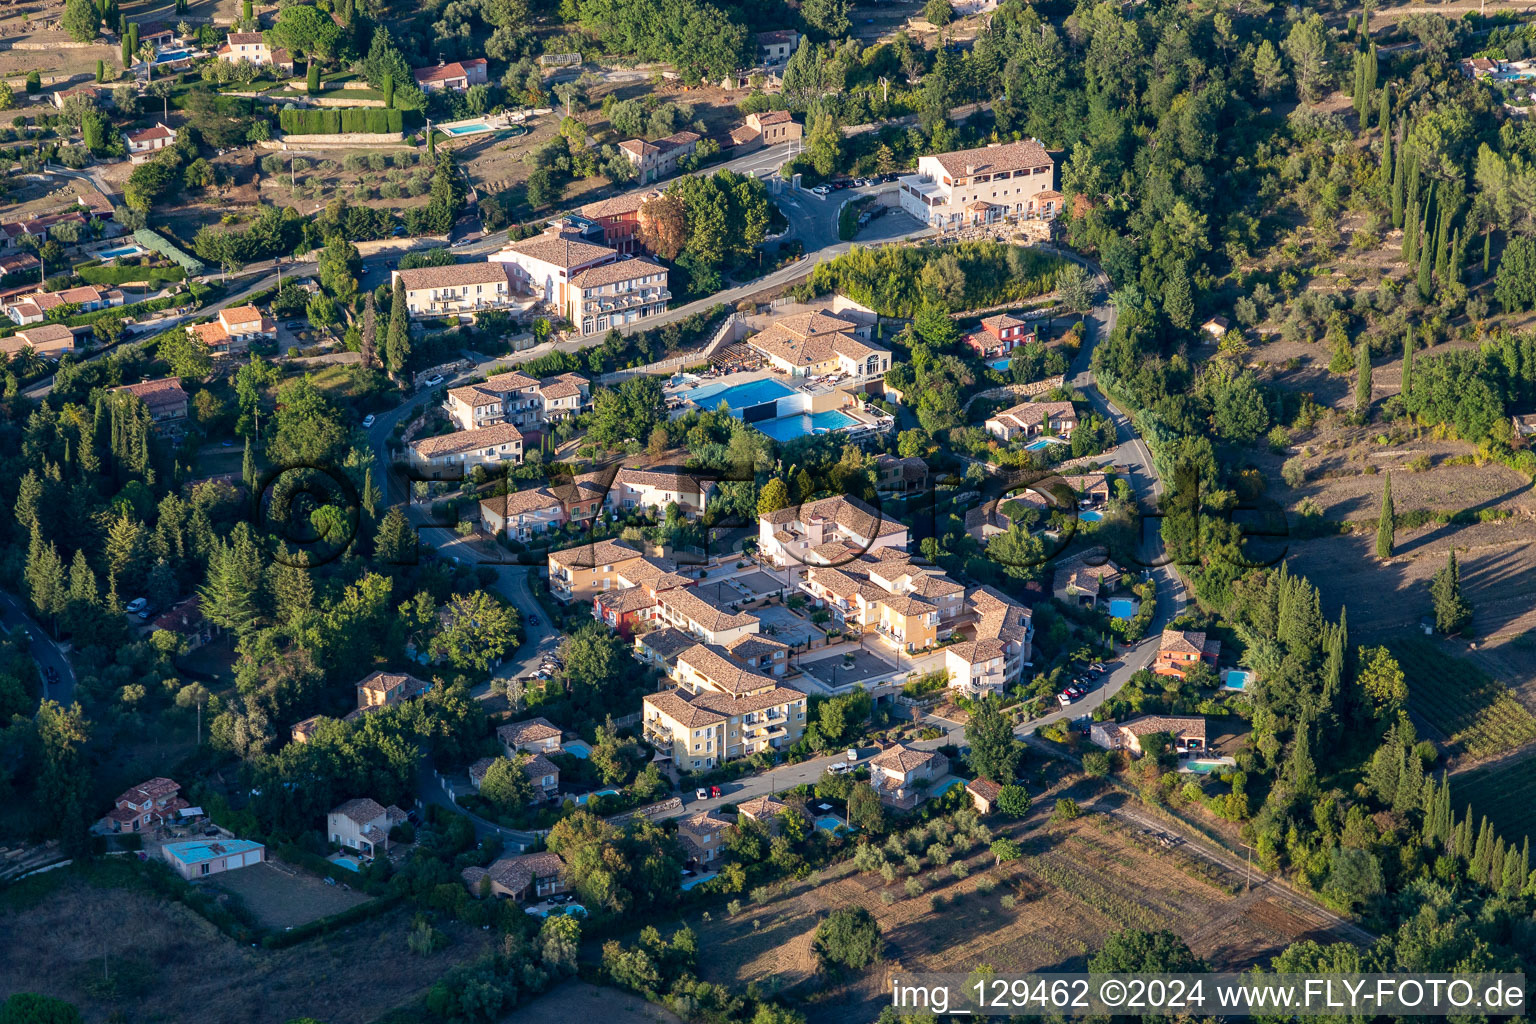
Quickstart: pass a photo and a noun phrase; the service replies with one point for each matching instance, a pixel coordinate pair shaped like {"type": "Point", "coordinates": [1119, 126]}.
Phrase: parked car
{"type": "Point", "coordinates": [562, 897]}
{"type": "Point", "coordinates": [137, 605]}
{"type": "Point", "coordinates": [147, 611]}
{"type": "Point", "coordinates": [295, 325]}
{"type": "Point", "coordinates": [701, 794]}
{"type": "Point", "coordinates": [822, 190]}
{"type": "Point", "coordinates": [432, 381]}
{"type": "Point", "coordinates": [368, 421]}
{"type": "Point", "coordinates": [1064, 698]}
{"type": "Point", "coordinates": [839, 768]}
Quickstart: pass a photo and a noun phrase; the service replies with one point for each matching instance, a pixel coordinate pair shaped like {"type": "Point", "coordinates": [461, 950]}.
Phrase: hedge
{"type": "Point", "coordinates": [342, 121]}
{"type": "Point", "coordinates": [320, 926]}
{"type": "Point", "coordinates": [159, 243]}
{"type": "Point", "coordinates": [84, 319]}
{"type": "Point", "coordinates": [97, 273]}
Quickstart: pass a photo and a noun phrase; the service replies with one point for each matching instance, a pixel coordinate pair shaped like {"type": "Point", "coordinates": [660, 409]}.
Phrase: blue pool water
{"type": "Point", "coordinates": [1001, 364]}
{"type": "Point", "coordinates": [1204, 767]}
{"type": "Point", "coordinates": [1041, 443]}
{"type": "Point", "coordinates": [1236, 679]}
{"type": "Point", "coordinates": [601, 792]}
{"type": "Point", "coordinates": [467, 129]}
{"type": "Point", "coordinates": [947, 785]}
{"type": "Point", "coordinates": [171, 56]}
{"type": "Point", "coordinates": [832, 823]}
{"type": "Point", "coordinates": [791, 427]}
{"type": "Point", "coordinates": [577, 748]}
{"type": "Point", "coordinates": [739, 396]}
{"type": "Point", "coordinates": [122, 250]}
{"type": "Point", "coordinates": [1090, 516]}
{"type": "Point", "coordinates": [350, 863]}
{"type": "Point", "coordinates": [1121, 607]}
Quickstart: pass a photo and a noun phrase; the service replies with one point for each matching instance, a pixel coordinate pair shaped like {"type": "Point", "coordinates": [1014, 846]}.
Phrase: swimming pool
{"type": "Point", "coordinates": [1042, 443]}
{"type": "Point", "coordinates": [350, 863]}
{"type": "Point", "coordinates": [120, 251]}
{"type": "Point", "coordinates": [172, 56]}
{"type": "Point", "coordinates": [1090, 516]}
{"type": "Point", "coordinates": [832, 823]}
{"type": "Point", "coordinates": [791, 427]}
{"type": "Point", "coordinates": [1203, 767]}
{"type": "Point", "coordinates": [739, 396]}
{"type": "Point", "coordinates": [1001, 364]}
{"type": "Point", "coordinates": [467, 129]}
{"type": "Point", "coordinates": [1122, 607]}
{"type": "Point", "coordinates": [601, 792]}
{"type": "Point", "coordinates": [577, 748]}
{"type": "Point", "coordinates": [946, 786]}
{"type": "Point", "coordinates": [1236, 679]}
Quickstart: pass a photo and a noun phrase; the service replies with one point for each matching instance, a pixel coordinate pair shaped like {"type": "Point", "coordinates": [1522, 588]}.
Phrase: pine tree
{"type": "Point", "coordinates": [225, 598]}
{"type": "Point", "coordinates": [82, 581]}
{"type": "Point", "coordinates": [1386, 523]}
{"type": "Point", "coordinates": [397, 343]}
{"type": "Point", "coordinates": [370, 333]}
{"type": "Point", "coordinates": [292, 589]}
{"type": "Point", "coordinates": [1362, 380]}
{"type": "Point", "coordinates": [44, 576]}
{"type": "Point", "coordinates": [1407, 362]}
{"type": "Point", "coordinates": [1410, 785]}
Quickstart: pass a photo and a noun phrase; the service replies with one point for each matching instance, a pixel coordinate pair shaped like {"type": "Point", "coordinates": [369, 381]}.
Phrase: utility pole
{"type": "Point", "coordinates": [1248, 870]}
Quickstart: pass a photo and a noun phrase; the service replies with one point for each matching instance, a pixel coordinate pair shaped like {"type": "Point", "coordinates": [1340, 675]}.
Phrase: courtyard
{"type": "Point", "coordinates": [849, 666]}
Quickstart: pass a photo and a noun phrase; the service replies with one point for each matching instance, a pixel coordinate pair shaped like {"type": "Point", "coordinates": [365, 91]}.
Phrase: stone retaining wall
{"type": "Point", "coordinates": [287, 142]}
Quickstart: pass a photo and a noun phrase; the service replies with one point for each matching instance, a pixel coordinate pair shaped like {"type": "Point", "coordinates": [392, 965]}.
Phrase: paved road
{"type": "Point", "coordinates": [43, 650]}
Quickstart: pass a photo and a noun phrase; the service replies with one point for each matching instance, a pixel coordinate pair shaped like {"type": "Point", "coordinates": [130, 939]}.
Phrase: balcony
{"type": "Point", "coordinates": [624, 300]}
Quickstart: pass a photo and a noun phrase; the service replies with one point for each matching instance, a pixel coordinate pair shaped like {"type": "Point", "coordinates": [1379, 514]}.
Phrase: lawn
{"type": "Point", "coordinates": [1476, 715]}
{"type": "Point", "coordinates": [1505, 792]}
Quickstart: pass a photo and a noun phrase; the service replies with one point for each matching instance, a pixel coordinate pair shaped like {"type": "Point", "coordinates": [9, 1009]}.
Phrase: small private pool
{"type": "Point", "coordinates": [120, 252]}
{"type": "Point", "coordinates": [1090, 516]}
{"type": "Point", "coordinates": [345, 861]}
{"type": "Point", "coordinates": [945, 787]}
{"type": "Point", "coordinates": [1041, 443]}
{"type": "Point", "coordinates": [601, 792]}
{"type": "Point", "coordinates": [1207, 767]}
{"type": "Point", "coordinates": [480, 128]}
{"type": "Point", "coordinates": [172, 56]}
{"type": "Point", "coordinates": [1001, 364]}
{"type": "Point", "coordinates": [832, 823]}
{"type": "Point", "coordinates": [578, 748]}
{"type": "Point", "coordinates": [1122, 607]}
{"type": "Point", "coordinates": [1236, 679]}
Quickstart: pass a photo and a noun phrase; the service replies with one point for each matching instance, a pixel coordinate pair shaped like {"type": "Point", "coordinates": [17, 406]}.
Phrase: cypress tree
{"type": "Point", "coordinates": [397, 343]}
{"type": "Point", "coordinates": [1426, 261]}
{"type": "Point", "coordinates": [1370, 78]}
{"type": "Point", "coordinates": [1482, 851]}
{"type": "Point", "coordinates": [1410, 172]}
{"type": "Point", "coordinates": [1386, 524]}
{"type": "Point", "coordinates": [1358, 97]}
{"type": "Point", "coordinates": [1487, 247]}
{"type": "Point", "coordinates": [1411, 235]}
{"type": "Point", "coordinates": [1410, 786]}
{"type": "Point", "coordinates": [1496, 863]}
{"type": "Point", "coordinates": [1362, 380]}
{"type": "Point", "coordinates": [388, 90]}
{"type": "Point", "coordinates": [248, 467]}
{"type": "Point", "coordinates": [101, 71]}
{"type": "Point", "coordinates": [312, 78]}
{"type": "Point", "coordinates": [1407, 362]}
{"type": "Point", "coordinates": [1442, 246]}
{"type": "Point", "coordinates": [133, 37]}
{"type": "Point", "coordinates": [1453, 258]}
{"type": "Point", "coordinates": [1384, 118]}
{"type": "Point", "coordinates": [1365, 23]}
{"type": "Point", "coordinates": [1398, 184]}
{"type": "Point", "coordinates": [127, 62]}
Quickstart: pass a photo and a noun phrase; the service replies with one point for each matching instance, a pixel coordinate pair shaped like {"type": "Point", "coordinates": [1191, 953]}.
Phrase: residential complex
{"type": "Point", "coordinates": [792, 536]}
{"type": "Point", "coordinates": [450, 456]}
{"type": "Point", "coordinates": [978, 186]}
{"type": "Point", "coordinates": [34, 307]}
{"type": "Point", "coordinates": [821, 343]}
{"type": "Point", "coordinates": [721, 711]}
{"type": "Point", "coordinates": [455, 289]}
{"type": "Point", "coordinates": [518, 399]}
{"type": "Point", "coordinates": [592, 286]}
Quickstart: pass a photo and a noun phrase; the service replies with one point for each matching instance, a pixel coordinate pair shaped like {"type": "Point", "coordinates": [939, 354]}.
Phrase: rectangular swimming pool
{"type": "Point", "coordinates": [1042, 443]}
{"type": "Point", "coordinates": [120, 251]}
{"type": "Point", "coordinates": [1122, 607]}
{"type": "Point", "coordinates": [1236, 679]}
{"type": "Point", "coordinates": [467, 129]}
{"type": "Point", "coordinates": [790, 427]}
{"type": "Point", "coordinates": [739, 396]}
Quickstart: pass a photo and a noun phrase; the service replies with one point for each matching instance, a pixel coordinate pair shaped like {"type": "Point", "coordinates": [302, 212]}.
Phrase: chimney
{"type": "Point", "coordinates": [970, 168]}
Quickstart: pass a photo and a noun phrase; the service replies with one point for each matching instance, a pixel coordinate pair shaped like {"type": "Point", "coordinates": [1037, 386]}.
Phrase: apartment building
{"type": "Point", "coordinates": [518, 399]}
{"type": "Point", "coordinates": [450, 456]}
{"type": "Point", "coordinates": [638, 585]}
{"type": "Point", "coordinates": [978, 186]}
{"type": "Point", "coordinates": [618, 219]}
{"type": "Point", "coordinates": [653, 489]}
{"type": "Point", "coordinates": [721, 712]}
{"type": "Point", "coordinates": [457, 289]}
{"type": "Point", "coordinates": [819, 343]}
{"type": "Point", "coordinates": [659, 159]}
{"type": "Point", "coordinates": [455, 77]}
{"type": "Point", "coordinates": [521, 515]}
{"type": "Point", "coordinates": [790, 535]}
{"type": "Point", "coordinates": [1033, 419]}
{"type": "Point", "coordinates": [580, 573]}
{"type": "Point", "coordinates": [234, 330]}
{"type": "Point", "coordinates": [592, 286]}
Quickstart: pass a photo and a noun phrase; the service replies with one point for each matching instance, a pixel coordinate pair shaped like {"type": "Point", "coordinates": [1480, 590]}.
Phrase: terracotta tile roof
{"type": "Point", "coordinates": [474, 395]}
{"type": "Point", "coordinates": [623, 602]}
{"type": "Point", "coordinates": [446, 72]}
{"type": "Point", "coordinates": [517, 873]}
{"type": "Point", "coordinates": [361, 811]}
{"type": "Point", "coordinates": [1178, 725]}
{"type": "Point", "coordinates": [984, 788]}
{"type": "Point", "coordinates": [561, 251]}
{"type": "Point", "coordinates": [1012, 156]}
{"type": "Point", "coordinates": [454, 275]}
{"type": "Point", "coordinates": [745, 704]}
{"type": "Point", "coordinates": [1030, 414]}
{"type": "Point", "coordinates": [667, 643]}
{"type": "Point", "coordinates": [686, 603]}
{"type": "Point", "coordinates": [241, 315]}
{"type": "Point", "coordinates": [48, 334]}
{"type": "Point", "coordinates": [533, 730]}
{"type": "Point", "coordinates": [902, 758]}
{"type": "Point", "coordinates": [468, 440]}
{"type": "Point", "coordinates": [769, 117]}
{"type": "Point", "coordinates": [246, 38]}
{"type": "Point", "coordinates": [1183, 641]}
{"type": "Point", "coordinates": [159, 131]}
{"type": "Point", "coordinates": [703, 823]}
{"type": "Point", "coordinates": [754, 645]}
{"type": "Point", "coordinates": [384, 682]}
{"type": "Point", "coordinates": [674, 706]}
{"type": "Point", "coordinates": [778, 35]}
{"type": "Point", "coordinates": [975, 652]}
{"type": "Point", "coordinates": [619, 270]}
{"type": "Point", "coordinates": [618, 206]}
{"type": "Point", "coordinates": [157, 393]}
{"type": "Point", "coordinates": [762, 807]}
{"type": "Point", "coordinates": [723, 674]}
{"type": "Point", "coordinates": [592, 554]}
{"type": "Point", "coordinates": [567, 385]}
{"type": "Point", "coordinates": [517, 502]}
{"type": "Point", "coordinates": [538, 766]}
{"type": "Point", "coordinates": [999, 617]}
{"type": "Point", "coordinates": [158, 788]}
{"type": "Point", "coordinates": [847, 512]}
{"type": "Point", "coordinates": [506, 383]}
{"type": "Point", "coordinates": [1002, 321]}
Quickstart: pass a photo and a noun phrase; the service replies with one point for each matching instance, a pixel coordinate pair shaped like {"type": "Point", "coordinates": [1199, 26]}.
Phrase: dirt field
{"type": "Point", "coordinates": [1506, 792]}
{"type": "Point", "coordinates": [580, 1001]}
{"type": "Point", "coordinates": [282, 896]}
{"type": "Point", "coordinates": [1076, 883]}
{"type": "Point", "coordinates": [162, 962]}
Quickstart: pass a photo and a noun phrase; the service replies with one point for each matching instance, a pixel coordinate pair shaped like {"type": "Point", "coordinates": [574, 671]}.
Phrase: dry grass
{"type": "Point", "coordinates": [581, 1001]}
{"type": "Point", "coordinates": [162, 962]}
